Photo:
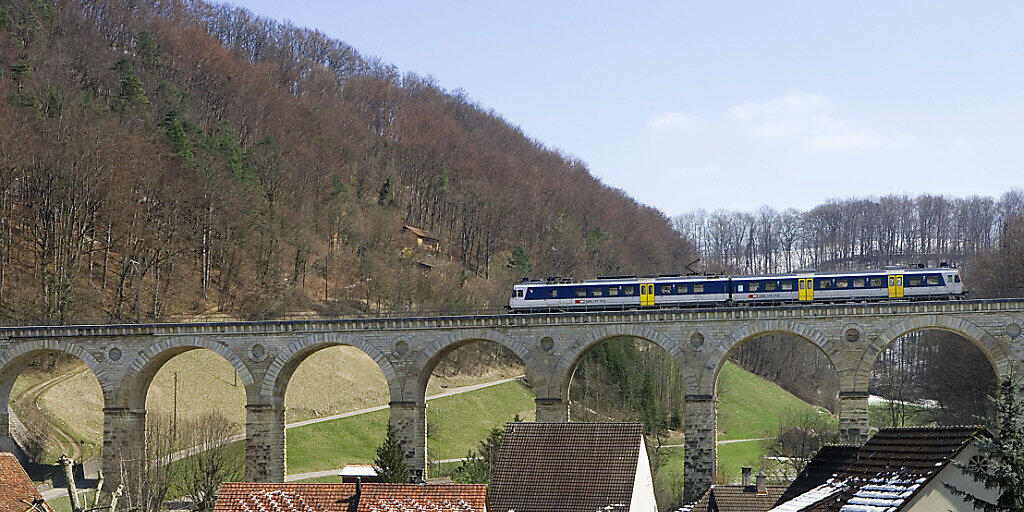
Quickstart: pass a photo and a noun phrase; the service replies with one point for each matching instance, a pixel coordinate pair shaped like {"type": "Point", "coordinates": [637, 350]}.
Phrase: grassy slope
{"type": "Point", "coordinates": [749, 407]}
{"type": "Point", "coordinates": [455, 425]}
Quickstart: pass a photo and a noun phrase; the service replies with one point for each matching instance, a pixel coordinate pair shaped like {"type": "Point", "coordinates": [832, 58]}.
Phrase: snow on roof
{"type": "Point", "coordinates": [883, 493]}
{"type": "Point", "coordinates": [812, 497]}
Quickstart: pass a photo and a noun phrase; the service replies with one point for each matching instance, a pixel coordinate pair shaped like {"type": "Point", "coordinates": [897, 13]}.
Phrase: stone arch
{"type": "Point", "coordinates": [13, 359]}
{"type": "Point", "coordinates": [746, 332]}
{"type": "Point", "coordinates": [435, 350]}
{"type": "Point", "coordinates": [559, 385]}
{"type": "Point", "coordinates": [149, 361]}
{"type": "Point", "coordinates": [996, 351]}
{"type": "Point", "coordinates": [275, 381]}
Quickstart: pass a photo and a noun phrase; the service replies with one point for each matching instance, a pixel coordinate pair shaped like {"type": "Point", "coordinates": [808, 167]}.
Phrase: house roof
{"type": "Point", "coordinates": [422, 233]}
{"type": "Point", "coordinates": [372, 497]}
{"type": "Point", "coordinates": [736, 498]}
{"type": "Point", "coordinates": [884, 474]}
{"type": "Point", "coordinates": [565, 467]}
{"type": "Point", "coordinates": [17, 493]}
{"type": "Point", "coordinates": [829, 460]}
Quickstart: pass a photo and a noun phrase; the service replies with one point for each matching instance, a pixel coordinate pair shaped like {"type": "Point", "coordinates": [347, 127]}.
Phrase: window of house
{"type": "Point", "coordinates": [627, 290]}
{"type": "Point", "coordinates": [770, 286]}
{"type": "Point", "coordinates": [698, 288]}
{"type": "Point", "coordinates": [787, 285]}
{"type": "Point", "coordinates": [858, 283]}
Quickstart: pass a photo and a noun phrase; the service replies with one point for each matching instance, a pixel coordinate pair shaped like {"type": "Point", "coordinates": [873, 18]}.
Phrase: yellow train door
{"type": "Point", "coordinates": [806, 287]}
{"type": "Point", "coordinates": [646, 294]}
{"type": "Point", "coordinates": [895, 287]}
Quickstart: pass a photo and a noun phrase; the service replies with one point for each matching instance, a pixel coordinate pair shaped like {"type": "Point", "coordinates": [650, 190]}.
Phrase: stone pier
{"type": "Point", "coordinates": [853, 417]}
{"type": "Point", "coordinates": [409, 421]}
{"type": "Point", "coordinates": [701, 450]}
{"type": "Point", "coordinates": [265, 445]}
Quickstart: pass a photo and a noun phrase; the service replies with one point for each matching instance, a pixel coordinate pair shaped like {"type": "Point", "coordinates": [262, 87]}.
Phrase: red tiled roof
{"type": "Point", "coordinates": [373, 497]}
{"type": "Point", "coordinates": [565, 467]}
{"type": "Point", "coordinates": [16, 490]}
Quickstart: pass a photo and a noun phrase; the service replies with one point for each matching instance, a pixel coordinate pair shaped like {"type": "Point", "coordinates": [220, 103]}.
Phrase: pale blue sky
{"type": "Point", "coordinates": [727, 104]}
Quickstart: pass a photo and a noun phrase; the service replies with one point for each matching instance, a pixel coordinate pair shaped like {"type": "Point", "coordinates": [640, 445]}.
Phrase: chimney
{"type": "Point", "coordinates": [762, 482]}
{"type": "Point", "coordinates": [746, 476]}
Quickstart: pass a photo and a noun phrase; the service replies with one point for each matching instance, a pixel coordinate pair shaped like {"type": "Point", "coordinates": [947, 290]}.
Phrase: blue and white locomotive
{"type": "Point", "coordinates": [626, 292]}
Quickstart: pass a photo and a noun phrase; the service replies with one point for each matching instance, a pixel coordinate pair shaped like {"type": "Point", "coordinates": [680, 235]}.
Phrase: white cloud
{"type": "Point", "coordinates": [812, 122]}
{"type": "Point", "coordinates": [673, 121]}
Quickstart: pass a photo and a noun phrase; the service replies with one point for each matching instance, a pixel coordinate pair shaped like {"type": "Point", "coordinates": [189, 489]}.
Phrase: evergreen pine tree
{"type": "Point", "coordinates": [390, 462]}
{"type": "Point", "coordinates": [1003, 468]}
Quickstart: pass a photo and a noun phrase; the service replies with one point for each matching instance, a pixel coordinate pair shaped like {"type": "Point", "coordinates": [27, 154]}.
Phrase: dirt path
{"type": "Point", "coordinates": [26, 406]}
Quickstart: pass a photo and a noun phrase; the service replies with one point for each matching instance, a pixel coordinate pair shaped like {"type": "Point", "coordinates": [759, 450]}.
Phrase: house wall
{"type": "Point", "coordinates": [643, 484]}
{"type": "Point", "coordinates": [936, 497]}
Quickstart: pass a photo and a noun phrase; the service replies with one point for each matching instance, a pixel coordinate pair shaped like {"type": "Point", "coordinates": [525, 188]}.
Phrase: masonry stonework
{"type": "Point", "coordinates": [265, 354]}
{"type": "Point", "coordinates": [265, 448]}
{"type": "Point", "coordinates": [701, 450]}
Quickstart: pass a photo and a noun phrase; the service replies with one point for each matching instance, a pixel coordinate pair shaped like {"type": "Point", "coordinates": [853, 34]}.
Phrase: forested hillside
{"type": "Point", "coordinates": [168, 158]}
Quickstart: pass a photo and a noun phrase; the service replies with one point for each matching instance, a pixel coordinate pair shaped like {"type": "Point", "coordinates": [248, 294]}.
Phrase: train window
{"type": "Point", "coordinates": [627, 290]}
{"type": "Point", "coordinates": [614, 290]}
{"type": "Point", "coordinates": [824, 284]}
{"type": "Point", "coordinates": [858, 283]}
{"type": "Point", "coordinates": [683, 288]}
{"type": "Point", "coordinates": [666, 289]}
{"type": "Point", "coordinates": [956, 279]}
{"type": "Point", "coordinates": [770, 286]}
{"type": "Point", "coordinates": [581, 292]}
{"type": "Point", "coordinates": [698, 288]}
{"type": "Point", "coordinates": [842, 283]}
{"type": "Point", "coordinates": [933, 280]}
{"type": "Point", "coordinates": [787, 285]}
{"type": "Point", "coordinates": [739, 287]}
{"type": "Point", "coordinates": [596, 292]}
{"type": "Point", "coordinates": [875, 282]}
{"type": "Point", "coordinates": [755, 286]}
{"type": "Point", "coordinates": [554, 293]}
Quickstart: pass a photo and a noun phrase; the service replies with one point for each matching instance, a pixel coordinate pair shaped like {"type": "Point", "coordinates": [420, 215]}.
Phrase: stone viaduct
{"type": "Point", "coordinates": [125, 359]}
